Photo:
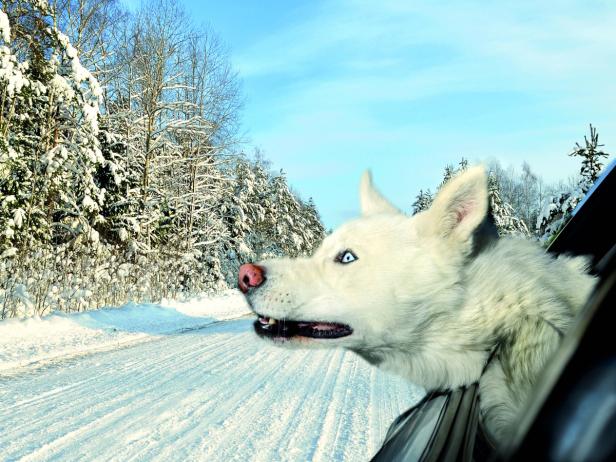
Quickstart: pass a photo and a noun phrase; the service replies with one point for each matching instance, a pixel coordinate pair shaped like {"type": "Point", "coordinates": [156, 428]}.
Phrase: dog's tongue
{"type": "Point", "coordinates": [266, 321]}
{"type": "Point", "coordinates": [317, 325]}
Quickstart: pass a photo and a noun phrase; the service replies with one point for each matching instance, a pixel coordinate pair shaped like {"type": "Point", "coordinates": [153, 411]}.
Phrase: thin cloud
{"type": "Point", "coordinates": [386, 83]}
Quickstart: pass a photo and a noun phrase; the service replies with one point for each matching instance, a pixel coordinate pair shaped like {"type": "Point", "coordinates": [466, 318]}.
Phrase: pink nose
{"type": "Point", "coordinates": [250, 276]}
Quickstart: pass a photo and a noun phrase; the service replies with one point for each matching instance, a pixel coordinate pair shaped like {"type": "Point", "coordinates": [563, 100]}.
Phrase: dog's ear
{"type": "Point", "coordinates": [371, 200]}
{"type": "Point", "coordinates": [460, 206]}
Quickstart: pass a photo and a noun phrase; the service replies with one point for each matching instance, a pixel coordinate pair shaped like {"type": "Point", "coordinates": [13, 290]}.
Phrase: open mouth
{"type": "Point", "coordinates": [285, 329]}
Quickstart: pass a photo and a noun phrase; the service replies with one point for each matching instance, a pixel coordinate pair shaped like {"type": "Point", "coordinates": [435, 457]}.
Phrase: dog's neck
{"type": "Point", "coordinates": [440, 368]}
{"type": "Point", "coordinates": [445, 356]}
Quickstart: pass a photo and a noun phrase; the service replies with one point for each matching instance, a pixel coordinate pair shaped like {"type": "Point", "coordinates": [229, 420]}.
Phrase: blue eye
{"type": "Point", "coordinates": [345, 257]}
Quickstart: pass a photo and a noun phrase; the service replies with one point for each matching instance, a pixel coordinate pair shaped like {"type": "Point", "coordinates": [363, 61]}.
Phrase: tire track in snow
{"type": "Point", "coordinates": [327, 444]}
{"type": "Point", "coordinates": [198, 415]}
{"type": "Point", "coordinates": [135, 338]}
{"type": "Point", "coordinates": [216, 394]}
{"type": "Point", "coordinates": [148, 380]}
{"type": "Point", "coordinates": [112, 393]}
{"type": "Point", "coordinates": [69, 363]}
{"type": "Point", "coordinates": [313, 409]}
{"type": "Point", "coordinates": [279, 414]}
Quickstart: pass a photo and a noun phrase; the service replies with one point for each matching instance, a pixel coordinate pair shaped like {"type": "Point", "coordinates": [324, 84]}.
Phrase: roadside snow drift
{"type": "Point", "coordinates": [184, 382]}
{"type": "Point", "coordinates": [26, 342]}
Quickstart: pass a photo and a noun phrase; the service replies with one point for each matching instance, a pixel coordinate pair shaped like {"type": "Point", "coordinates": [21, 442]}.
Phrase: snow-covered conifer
{"type": "Point", "coordinates": [558, 209]}
{"type": "Point", "coordinates": [507, 222]}
{"type": "Point", "coordinates": [137, 196]}
{"type": "Point", "coordinates": [505, 216]}
{"type": "Point", "coordinates": [422, 201]}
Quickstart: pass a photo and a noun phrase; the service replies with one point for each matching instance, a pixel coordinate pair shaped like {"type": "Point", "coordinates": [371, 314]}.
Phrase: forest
{"type": "Point", "coordinates": [125, 175]}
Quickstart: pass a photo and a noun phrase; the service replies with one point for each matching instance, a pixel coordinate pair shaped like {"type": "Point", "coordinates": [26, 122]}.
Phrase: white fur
{"type": "Point", "coordinates": [422, 306]}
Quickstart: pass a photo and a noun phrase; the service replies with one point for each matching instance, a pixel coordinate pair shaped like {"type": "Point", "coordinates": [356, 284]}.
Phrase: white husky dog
{"type": "Point", "coordinates": [413, 296]}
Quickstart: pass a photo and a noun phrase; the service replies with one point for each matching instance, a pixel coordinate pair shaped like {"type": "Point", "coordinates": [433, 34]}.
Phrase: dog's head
{"type": "Point", "coordinates": [378, 280]}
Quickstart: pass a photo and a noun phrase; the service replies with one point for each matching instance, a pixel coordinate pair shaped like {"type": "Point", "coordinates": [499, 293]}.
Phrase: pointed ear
{"type": "Point", "coordinates": [371, 201]}
{"type": "Point", "coordinates": [460, 207]}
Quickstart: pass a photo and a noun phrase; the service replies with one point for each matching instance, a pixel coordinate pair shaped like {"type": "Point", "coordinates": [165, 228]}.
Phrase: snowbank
{"type": "Point", "coordinates": [30, 341]}
{"type": "Point", "coordinates": [226, 305]}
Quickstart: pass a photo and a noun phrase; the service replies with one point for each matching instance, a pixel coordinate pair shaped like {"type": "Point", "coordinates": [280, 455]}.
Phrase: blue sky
{"type": "Point", "coordinates": [404, 87]}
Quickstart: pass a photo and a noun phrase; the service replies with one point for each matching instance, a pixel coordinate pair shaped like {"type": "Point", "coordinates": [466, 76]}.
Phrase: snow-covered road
{"type": "Point", "coordinates": [214, 394]}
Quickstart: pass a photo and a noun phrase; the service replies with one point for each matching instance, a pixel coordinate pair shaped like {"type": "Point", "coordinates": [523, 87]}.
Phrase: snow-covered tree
{"type": "Point", "coordinates": [524, 190]}
{"type": "Point", "coordinates": [450, 171]}
{"type": "Point", "coordinates": [267, 219]}
{"type": "Point", "coordinates": [134, 190]}
{"type": "Point", "coordinates": [49, 159]}
{"type": "Point", "coordinates": [423, 201]}
{"type": "Point", "coordinates": [558, 209]}
{"type": "Point", "coordinates": [49, 140]}
{"type": "Point", "coordinates": [591, 158]}
{"type": "Point", "coordinates": [315, 231]}
{"type": "Point", "coordinates": [505, 218]}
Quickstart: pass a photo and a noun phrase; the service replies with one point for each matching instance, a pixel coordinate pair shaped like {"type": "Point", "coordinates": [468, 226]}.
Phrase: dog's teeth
{"type": "Point", "coordinates": [271, 321]}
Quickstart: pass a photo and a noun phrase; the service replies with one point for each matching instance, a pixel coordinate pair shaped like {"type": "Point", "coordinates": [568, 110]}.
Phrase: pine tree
{"type": "Point", "coordinates": [50, 127]}
{"type": "Point", "coordinates": [448, 174]}
{"type": "Point", "coordinates": [422, 202]}
{"type": "Point", "coordinates": [505, 218]}
{"type": "Point", "coordinates": [239, 213]}
{"type": "Point", "coordinates": [451, 171]}
{"type": "Point", "coordinates": [287, 232]}
{"type": "Point", "coordinates": [49, 157]}
{"type": "Point", "coordinates": [591, 158]}
{"type": "Point", "coordinates": [559, 208]}
{"type": "Point", "coordinates": [315, 231]}
{"type": "Point", "coordinates": [263, 216]}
